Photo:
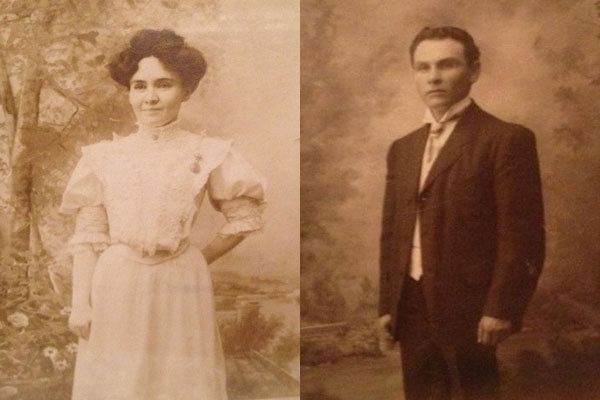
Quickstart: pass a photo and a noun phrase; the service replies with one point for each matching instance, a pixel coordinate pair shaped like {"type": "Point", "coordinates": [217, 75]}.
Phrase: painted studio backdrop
{"type": "Point", "coordinates": [541, 68]}
{"type": "Point", "coordinates": [56, 96]}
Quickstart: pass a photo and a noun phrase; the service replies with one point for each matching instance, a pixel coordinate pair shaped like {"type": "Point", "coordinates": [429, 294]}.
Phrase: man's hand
{"type": "Point", "coordinates": [492, 331]}
{"type": "Point", "coordinates": [386, 340]}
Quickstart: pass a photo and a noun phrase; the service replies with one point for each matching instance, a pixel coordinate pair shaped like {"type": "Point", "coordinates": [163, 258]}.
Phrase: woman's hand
{"type": "Point", "coordinates": [84, 264]}
{"type": "Point", "coordinates": [80, 322]}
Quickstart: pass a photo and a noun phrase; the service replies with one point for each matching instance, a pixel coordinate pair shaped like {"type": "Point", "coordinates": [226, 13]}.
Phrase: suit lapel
{"type": "Point", "coordinates": [464, 132]}
{"type": "Point", "coordinates": [414, 154]}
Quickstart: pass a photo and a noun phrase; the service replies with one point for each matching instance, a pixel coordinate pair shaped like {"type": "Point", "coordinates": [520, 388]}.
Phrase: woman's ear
{"type": "Point", "coordinates": [186, 94]}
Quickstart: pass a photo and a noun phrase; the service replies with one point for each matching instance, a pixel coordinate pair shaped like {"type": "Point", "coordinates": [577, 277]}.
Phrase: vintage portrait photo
{"type": "Point", "coordinates": [449, 175]}
{"type": "Point", "coordinates": [149, 199]}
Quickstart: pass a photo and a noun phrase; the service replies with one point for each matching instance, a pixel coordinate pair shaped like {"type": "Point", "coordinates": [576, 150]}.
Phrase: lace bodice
{"type": "Point", "coordinates": [149, 185]}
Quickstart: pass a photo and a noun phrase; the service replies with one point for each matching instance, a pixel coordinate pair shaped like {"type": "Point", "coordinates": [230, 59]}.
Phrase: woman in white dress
{"type": "Point", "coordinates": [142, 295]}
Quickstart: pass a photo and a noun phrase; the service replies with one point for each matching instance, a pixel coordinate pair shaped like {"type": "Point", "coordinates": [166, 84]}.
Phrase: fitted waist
{"type": "Point", "coordinates": [145, 257]}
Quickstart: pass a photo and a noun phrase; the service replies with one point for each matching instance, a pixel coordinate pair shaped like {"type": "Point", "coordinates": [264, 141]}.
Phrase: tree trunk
{"type": "Point", "coordinates": [21, 182]}
{"type": "Point", "coordinates": [7, 135]}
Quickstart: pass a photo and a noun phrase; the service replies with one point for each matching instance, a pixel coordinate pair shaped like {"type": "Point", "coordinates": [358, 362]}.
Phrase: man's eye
{"type": "Point", "coordinates": [422, 67]}
{"type": "Point", "coordinates": [449, 64]}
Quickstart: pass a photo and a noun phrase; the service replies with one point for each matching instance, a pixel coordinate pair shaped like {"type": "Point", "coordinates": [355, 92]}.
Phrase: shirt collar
{"type": "Point", "coordinates": [159, 133]}
{"type": "Point", "coordinates": [455, 109]}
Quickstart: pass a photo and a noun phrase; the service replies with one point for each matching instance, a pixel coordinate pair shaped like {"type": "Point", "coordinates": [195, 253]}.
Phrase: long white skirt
{"type": "Point", "coordinates": [154, 334]}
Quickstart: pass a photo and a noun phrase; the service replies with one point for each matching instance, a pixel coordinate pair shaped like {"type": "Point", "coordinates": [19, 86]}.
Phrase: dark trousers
{"type": "Point", "coordinates": [435, 372]}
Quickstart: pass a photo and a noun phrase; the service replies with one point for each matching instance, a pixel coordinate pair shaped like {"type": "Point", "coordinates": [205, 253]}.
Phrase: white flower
{"type": "Point", "coordinates": [61, 365]}
{"type": "Point", "coordinates": [72, 348]}
{"type": "Point", "coordinates": [50, 352]}
{"type": "Point", "coordinates": [65, 311]}
{"type": "Point", "coordinates": [18, 320]}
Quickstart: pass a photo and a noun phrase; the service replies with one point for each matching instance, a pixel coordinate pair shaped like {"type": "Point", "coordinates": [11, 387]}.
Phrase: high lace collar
{"type": "Point", "coordinates": [159, 134]}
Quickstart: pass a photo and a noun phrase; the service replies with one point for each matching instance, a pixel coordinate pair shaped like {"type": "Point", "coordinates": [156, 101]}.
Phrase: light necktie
{"type": "Point", "coordinates": [435, 131]}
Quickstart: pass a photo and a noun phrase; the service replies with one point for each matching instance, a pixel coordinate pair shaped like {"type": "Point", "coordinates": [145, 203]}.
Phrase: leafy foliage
{"type": "Point", "coordinates": [252, 331]}
{"type": "Point", "coordinates": [37, 351]}
{"type": "Point", "coordinates": [321, 298]}
{"type": "Point", "coordinates": [285, 348]}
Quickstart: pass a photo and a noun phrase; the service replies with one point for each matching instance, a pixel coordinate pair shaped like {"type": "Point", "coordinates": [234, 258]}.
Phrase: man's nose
{"type": "Point", "coordinates": [434, 75]}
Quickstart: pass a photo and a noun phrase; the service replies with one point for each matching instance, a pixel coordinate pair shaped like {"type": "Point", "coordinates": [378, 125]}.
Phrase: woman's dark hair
{"type": "Point", "coordinates": [170, 48]}
{"type": "Point", "coordinates": [448, 32]}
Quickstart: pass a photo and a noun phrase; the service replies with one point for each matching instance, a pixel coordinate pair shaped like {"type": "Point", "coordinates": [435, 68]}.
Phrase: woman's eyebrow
{"type": "Point", "coordinates": [155, 80]}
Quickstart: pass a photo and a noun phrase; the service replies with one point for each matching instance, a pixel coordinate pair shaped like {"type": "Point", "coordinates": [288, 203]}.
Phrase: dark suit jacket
{"type": "Point", "coordinates": [482, 225]}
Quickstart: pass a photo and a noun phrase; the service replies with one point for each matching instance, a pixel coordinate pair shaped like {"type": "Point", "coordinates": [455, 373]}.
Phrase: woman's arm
{"type": "Point", "coordinates": [84, 264]}
{"type": "Point", "coordinates": [220, 245]}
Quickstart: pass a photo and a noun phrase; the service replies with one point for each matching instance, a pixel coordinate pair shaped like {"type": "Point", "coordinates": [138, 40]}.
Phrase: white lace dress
{"type": "Point", "coordinates": [154, 334]}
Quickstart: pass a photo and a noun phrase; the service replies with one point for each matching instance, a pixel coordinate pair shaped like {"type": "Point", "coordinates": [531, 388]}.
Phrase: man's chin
{"type": "Point", "coordinates": [439, 106]}
{"type": "Point", "coordinates": [438, 102]}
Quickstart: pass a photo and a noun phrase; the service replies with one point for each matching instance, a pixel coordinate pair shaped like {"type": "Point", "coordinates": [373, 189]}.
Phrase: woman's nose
{"type": "Point", "coordinates": [151, 96]}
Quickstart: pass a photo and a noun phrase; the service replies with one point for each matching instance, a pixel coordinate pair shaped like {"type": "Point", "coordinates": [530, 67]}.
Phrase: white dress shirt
{"type": "Point", "coordinates": [436, 141]}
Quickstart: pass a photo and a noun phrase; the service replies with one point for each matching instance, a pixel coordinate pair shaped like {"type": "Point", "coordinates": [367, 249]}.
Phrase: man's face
{"type": "Point", "coordinates": [442, 74]}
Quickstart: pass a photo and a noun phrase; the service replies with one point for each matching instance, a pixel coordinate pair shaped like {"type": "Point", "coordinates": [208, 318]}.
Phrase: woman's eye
{"type": "Point", "coordinates": [139, 86]}
{"type": "Point", "coordinates": [164, 84]}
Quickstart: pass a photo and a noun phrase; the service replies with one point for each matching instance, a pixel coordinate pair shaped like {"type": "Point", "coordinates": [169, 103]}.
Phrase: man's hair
{"type": "Point", "coordinates": [447, 32]}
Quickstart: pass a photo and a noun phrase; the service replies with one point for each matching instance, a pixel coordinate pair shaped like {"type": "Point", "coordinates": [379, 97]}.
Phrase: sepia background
{"type": "Point", "coordinates": [56, 96]}
{"type": "Point", "coordinates": [540, 68]}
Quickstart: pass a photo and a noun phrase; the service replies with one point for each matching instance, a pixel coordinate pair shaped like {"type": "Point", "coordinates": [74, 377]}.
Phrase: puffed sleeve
{"type": "Point", "coordinates": [237, 190]}
{"type": "Point", "coordinates": [83, 197]}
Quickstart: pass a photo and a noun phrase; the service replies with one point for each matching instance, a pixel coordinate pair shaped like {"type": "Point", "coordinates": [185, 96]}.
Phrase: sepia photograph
{"type": "Point", "coordinates": [149, 200]}
{"type": "Point", "coordinates": [449, 180]}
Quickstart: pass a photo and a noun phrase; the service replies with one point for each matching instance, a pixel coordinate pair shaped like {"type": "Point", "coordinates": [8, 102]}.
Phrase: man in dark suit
{"type": "Point", "coordinates": [462, 242]}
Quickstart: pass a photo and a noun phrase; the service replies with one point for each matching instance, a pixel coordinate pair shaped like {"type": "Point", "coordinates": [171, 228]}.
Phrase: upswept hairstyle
{"type": "Point", "coordinates": [447, 32]}
{"type": "Point", "coordinates": [170, 48]}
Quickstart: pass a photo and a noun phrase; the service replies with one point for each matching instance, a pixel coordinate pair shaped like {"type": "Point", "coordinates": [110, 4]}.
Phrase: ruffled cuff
{"type": "Point", "coordinates": [243, 214]}
{"type": "Point", "coordinates": [91, 230]}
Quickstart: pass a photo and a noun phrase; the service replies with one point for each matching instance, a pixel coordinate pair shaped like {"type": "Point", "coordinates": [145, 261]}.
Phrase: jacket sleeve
{"type": "Point", "coordinates": [519, 227]}
{"type": "Point", "coordinates": [386, 239]}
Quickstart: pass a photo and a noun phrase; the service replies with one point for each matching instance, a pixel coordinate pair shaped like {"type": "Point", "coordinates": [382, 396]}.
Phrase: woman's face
{"type": "Point", "coordinates": [155, 93]}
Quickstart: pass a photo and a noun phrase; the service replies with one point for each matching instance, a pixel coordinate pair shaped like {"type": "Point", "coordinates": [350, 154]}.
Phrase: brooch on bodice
{"type": "Point", "coordinates": [195, 167]}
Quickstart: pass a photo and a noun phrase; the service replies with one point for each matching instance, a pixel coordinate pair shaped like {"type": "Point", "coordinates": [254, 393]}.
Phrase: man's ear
{"type": "Point", "coordinates": [475, 70]}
